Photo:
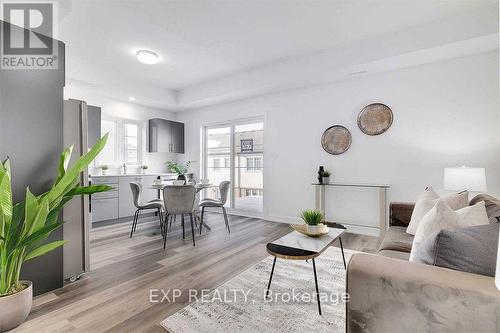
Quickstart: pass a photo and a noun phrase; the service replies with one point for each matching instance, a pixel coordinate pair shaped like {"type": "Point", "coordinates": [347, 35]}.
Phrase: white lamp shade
{"type": "Point", "coordinates": [463, 178]}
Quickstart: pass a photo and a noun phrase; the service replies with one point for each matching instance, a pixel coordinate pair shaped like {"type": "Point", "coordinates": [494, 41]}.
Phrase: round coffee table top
{"type": "Point", "coordinates": [290, 253]}
{"type": "Point", "coordinates": [296, 246]}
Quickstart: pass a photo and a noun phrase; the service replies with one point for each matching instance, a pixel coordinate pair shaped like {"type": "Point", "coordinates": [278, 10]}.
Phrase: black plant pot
{"type": "Point", "coordinates": [181, 177]}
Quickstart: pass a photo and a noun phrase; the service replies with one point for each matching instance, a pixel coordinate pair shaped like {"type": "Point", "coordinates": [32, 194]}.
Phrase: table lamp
{"type": "Point", "coordinates": [464, 178]}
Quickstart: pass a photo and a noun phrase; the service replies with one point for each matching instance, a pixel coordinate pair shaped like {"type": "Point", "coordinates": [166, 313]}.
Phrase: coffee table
{"type": "Point", "coordinates": [297, 246]}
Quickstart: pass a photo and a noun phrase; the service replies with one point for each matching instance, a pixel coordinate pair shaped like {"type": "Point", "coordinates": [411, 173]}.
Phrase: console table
{"type": "Point", "coordinates": [382, 195]}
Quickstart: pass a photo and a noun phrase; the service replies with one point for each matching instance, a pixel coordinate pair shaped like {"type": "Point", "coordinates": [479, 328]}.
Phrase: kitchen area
{"type": "Point", "coordinates": [136, 151]}
{"type": "Point", "coordinates": [117, 205]}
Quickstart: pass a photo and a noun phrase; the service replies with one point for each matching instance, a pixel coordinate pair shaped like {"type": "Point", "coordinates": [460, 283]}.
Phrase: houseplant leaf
{"type": "Point", "coordinates": [79, 190]}
{"type": "Point", "coordinates": [64, 162]}
{"type": "Point", "coordinates": [44, 249]}
{"type": "Point", "coordinates": [73, 172]}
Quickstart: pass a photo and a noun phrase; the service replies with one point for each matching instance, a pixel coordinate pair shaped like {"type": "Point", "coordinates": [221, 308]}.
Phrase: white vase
{"type": "Point", "coordinates": [326, 180]}
{"type": "Point", "coordinates": [313, 229]}
{"type": "Point", "coordinates": [16, 307]}
{"type": "Point", "coordinates": [104, 172]}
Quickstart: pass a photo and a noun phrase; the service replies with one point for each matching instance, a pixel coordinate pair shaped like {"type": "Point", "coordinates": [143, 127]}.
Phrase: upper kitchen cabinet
{"type": "Point", "coordinates": [166, 136]}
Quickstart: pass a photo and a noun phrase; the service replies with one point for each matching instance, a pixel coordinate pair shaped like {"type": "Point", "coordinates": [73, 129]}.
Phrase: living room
{"type": "Point", "coordinates": [341, 158]}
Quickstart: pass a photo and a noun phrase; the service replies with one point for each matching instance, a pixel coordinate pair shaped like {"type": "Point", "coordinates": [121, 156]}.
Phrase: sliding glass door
{"type": "Point", "coordinates": [235, 152]}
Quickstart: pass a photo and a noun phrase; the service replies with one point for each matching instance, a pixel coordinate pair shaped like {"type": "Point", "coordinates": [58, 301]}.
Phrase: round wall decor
{"type": "Point", "coordinates": [375, 119]}
{"type": "Point", "coordinates": [336, 140]}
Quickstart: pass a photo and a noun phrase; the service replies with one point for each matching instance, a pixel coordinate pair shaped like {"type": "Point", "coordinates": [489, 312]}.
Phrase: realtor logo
{"type": "Point", "coordinates": [27, 35]}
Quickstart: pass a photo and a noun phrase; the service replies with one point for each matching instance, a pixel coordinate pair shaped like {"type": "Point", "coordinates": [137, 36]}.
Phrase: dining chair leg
{"type": "Point", "coordinates": [201, 220]}
{"type": "Point", "coordinates": [183, 232]}
{"type": "Point", "coordinates": [195, 217]}
{"type": "Point", "coordinates": [225, 219]}
{"type": "Point", "coordinates": [137, 219]}
{"type": "Point", "coordinates": [165, 233]}
{"type": "Point", "coordinates": [192, 227]}
{"type": "Point", "coordinates": [171, 220]}
{"type": "Point", "coordinates": [133, 223]}
{"type": "Point", "coordinates": [160, 217]}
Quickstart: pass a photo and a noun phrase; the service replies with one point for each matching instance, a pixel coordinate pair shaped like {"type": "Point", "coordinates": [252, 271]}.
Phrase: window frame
{"type": "Point", "coordinates": [120, 142]}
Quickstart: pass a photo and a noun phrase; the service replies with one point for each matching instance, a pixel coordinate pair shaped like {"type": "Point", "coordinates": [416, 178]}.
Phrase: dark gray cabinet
{"type": "Point", "coordinates": [166, 136]}
{"type": "Point", "coordinates": [177, 137]}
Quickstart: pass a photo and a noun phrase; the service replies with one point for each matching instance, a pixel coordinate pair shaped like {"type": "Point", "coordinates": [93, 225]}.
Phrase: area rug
{"type": "Point", "coordinates": [239, 305]}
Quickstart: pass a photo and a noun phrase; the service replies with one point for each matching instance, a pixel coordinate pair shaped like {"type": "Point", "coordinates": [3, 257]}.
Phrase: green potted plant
{"type": "Point", "coordinates": [25, 227]}
{"type": "Point", "coordinates": [144, 169]}
{"type": "Point", "coordinates": [104, 169]}
{"type": "Point", "coordinates": [179, 169]}
{"type": "Point", "coordinates": [326, 176]}
{"type": "Point", "coordinates": [313, 219]}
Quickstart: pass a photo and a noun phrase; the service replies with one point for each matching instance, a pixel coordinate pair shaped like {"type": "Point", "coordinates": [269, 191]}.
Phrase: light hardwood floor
{"type": "Point", "coordinates": [114, 296]}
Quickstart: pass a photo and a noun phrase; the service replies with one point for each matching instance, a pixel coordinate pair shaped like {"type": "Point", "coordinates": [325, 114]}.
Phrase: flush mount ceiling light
{"type": "Point", "coordinates": [147, 57]}
{"type": "Point", "coordinates": [131, 98]}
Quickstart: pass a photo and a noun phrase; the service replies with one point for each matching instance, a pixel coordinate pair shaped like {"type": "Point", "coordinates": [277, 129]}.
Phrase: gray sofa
{"type": "Point", "coordinates": [390, 294]}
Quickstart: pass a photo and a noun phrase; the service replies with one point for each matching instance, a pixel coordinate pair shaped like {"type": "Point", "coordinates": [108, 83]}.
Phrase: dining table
{"type": "Point", "coordinates": [199, 187]}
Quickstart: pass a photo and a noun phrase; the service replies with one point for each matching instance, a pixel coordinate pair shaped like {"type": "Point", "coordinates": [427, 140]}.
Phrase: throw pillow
{"type": "Point", "coordinates": [471, 249]}
{"type": "Point", "coordinates": [427, 200]}
{"type": "Point", "coordinates": [441, 216]}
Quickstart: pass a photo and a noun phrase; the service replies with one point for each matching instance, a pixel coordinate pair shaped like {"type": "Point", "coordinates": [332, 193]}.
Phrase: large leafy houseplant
{"type": "Point", "coordinates": [25, 226]}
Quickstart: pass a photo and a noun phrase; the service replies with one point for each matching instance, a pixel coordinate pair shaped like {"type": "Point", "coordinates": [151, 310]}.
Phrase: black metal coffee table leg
{"type": "Point", "coordinates": [317, 289]}
{"type": "Point", "coordinates": [342, 248]}
{"type": "Point", "coordinates": [270, 278]}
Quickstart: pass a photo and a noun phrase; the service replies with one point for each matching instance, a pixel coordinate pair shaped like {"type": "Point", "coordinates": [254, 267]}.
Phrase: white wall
{"type": "Point", "coordinates": [445, 114]}
{"type": "Point", "coordinates": [119, 109]}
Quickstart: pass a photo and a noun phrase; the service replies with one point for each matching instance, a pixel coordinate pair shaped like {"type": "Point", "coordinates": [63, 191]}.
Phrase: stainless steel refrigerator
{"type": "Point", "coordinates": [81, 128]}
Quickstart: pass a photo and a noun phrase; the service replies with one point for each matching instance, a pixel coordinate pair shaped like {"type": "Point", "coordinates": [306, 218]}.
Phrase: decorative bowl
{"type": "Point", "coordinates": [302, 228]}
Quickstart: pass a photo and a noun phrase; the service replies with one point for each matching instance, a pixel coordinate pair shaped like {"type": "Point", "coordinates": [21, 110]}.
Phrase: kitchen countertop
{"type": "Point", "coordinates": [135, 175]}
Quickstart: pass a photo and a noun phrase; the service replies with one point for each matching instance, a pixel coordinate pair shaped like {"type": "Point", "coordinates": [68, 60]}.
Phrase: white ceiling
{"type": "Point", "coordinates": [200, 41]}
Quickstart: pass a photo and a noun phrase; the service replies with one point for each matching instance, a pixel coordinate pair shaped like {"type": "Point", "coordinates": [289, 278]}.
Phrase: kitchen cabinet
{"type": "Point", "coordinates": [166, 136]}
{"type": "Point", "coordinates": [104, 206]}
{"type": "Point", "coordinates": [104, 209]}
{"type": "Point", "coordinates": [177, 137]}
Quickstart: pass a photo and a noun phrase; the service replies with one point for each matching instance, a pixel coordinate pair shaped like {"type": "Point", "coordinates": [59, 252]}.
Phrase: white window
{"type": "Point", "coordinates": [131, 143]}
{"type": "Point", "coordinates": [216, 164]}
{"type": "Point", "coordinates": [109, 154]}
{"type": "Point", "coordinates": [254, 163]}
{"type": "Point", "coordinates": [124, 143]}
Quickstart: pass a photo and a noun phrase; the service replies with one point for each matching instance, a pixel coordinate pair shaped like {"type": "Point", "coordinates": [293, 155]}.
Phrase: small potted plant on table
{"type": "Point", "coordinates": [313, 219]}
{"type": "Point", "coordinates": [179, 169]}
{"type": "Point", "coordinates": [144, 169]}
{"type": "Point", "coordinates": [326, 176]}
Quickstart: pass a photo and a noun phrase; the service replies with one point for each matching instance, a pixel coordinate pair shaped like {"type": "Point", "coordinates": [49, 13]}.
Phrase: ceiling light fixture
{"type": "Point", "coordinates": [147, 57]}
{"type": "Point", "coordinates": [131, 98]}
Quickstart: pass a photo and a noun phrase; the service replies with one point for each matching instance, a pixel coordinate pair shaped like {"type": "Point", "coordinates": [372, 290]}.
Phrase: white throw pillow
{"type": "Point", "coordinates": [441, 216]}
{"type": "Point", "coordinates": [427, 200]}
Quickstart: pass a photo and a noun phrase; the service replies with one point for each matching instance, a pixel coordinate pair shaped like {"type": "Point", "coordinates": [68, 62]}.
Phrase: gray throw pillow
{"type": "Point", "coordinates": [471, 249]}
